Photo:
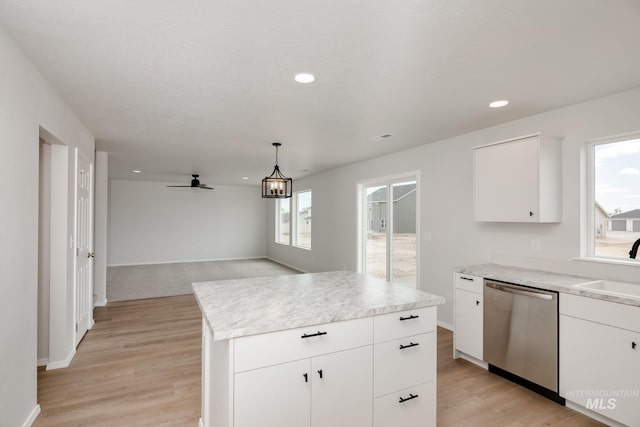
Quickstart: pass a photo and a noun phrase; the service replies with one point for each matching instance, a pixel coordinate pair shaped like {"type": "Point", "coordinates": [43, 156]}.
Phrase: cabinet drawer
{"type": "Point", "coordinates": [402, 363]}
{"type": "Point", "coordinates": [596, 310]}
{"type": "Point", "coordinates": [389, 411]}
{"type": "Point", "coordinates": [404, 324]}
{"type": "Point", "coordinates": [469, 283]}
{"type": "Point", "coordinates": [283, 346]}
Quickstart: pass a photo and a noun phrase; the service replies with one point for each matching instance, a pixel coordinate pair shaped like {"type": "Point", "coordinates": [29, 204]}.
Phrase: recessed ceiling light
{"type": "Point", "coordinates": [305, 78]}
{"type": "Point", "coordinates": [136, 171]}
{"type": "Point", "coordinates": [245, 177]}
{"type": "Point", "coordinates": [498, 104]}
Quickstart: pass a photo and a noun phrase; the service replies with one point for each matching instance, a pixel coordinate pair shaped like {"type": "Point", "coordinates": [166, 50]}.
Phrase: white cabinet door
{"type": "Point", "coordinates": [468, 323]}
{"type": "Point", "coordinates": [506, 181]}
{"type": "Point", "coordinates": [277, 396]}
{"type": "Point", "coordinates": [599, 363]}
{"type": "Point", "coordinates": [341, 394]}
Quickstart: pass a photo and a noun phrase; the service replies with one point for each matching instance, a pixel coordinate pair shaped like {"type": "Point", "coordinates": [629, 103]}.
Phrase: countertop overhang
{"type": "Point", "coordinates": [241, 307]}
{"type": "Point", "coordinates": [541, 280]}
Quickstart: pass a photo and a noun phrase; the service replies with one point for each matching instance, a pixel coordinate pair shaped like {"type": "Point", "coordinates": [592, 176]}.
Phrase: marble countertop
{"type": "Point", "coordinates": [541, 280]}
{"type": "Point", "coordinates": [241, 307]}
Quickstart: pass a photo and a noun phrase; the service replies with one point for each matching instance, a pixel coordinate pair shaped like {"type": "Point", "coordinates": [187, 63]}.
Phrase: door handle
{"type": "Point", "coordinates": [404, 399]}
{"type": "Point", "coordinates": [317, 334]}
{"type": "Point", "coordinates": [511, 290]}
{"type": "Point", "coordinates": [409, 317]}
{"type": "Point", "coordinates": [320, 373]}
{"type": "Point", "coordinates": [306, 377]}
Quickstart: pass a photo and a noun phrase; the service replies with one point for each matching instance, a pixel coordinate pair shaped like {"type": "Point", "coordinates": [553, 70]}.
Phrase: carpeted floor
{"type": "Point", "coordinates": [163, 280]}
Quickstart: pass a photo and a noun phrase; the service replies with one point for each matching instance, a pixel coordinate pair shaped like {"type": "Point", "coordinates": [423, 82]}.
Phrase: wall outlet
{"type": "Point", "coordinates": [536, 245]}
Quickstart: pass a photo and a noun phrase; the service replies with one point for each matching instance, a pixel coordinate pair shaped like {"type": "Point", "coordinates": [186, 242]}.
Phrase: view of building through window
{"type": "Point", "coordinates": [283, 216]}
{"type": "Point", "coordinates": [303, 219]}
{"type": "Point", "coordinates": [617, 198]}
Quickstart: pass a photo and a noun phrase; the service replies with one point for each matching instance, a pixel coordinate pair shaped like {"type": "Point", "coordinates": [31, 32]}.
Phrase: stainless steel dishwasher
{"type": "Point", "coordinates": [521, 335]}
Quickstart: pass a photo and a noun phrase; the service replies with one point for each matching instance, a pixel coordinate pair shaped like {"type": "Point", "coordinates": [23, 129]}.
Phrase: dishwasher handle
{"type": "Point", "coordinates": [519, 291]}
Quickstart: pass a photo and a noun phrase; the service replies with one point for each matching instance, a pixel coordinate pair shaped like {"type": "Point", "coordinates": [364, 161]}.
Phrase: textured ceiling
{"type": "Point", "coordinates": [205, 86]}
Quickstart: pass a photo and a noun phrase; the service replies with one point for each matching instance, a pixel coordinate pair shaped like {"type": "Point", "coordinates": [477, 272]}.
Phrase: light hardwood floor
{"type": "Point", "coordinates": [140, 366]}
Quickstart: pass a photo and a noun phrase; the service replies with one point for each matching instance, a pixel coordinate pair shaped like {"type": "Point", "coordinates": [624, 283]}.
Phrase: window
{"type": "Point", "coordinates": [293, 217]}
{"type": "Point", "coordinates": [283, 221]}
{"type": "Point", "coordinates": [614, 198]}
{"type": "Point", "coordinates": [303, 219]}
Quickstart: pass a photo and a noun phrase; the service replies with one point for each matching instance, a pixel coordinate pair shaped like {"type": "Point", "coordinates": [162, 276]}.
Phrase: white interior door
{"type": "Point", "coordinates": [84, 247]}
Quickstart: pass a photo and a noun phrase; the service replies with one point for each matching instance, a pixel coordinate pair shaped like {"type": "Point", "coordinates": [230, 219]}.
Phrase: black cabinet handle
{"type": "Point", "coordinates": [409, 317]}
{"type": "Point", "coordinates": [633, 345]}
{"type": "Point", "coordinates": [306, 377]}
{"type": "Point", "coordinates": [411, 344]}
{"type": "Point", "coordinates": [467, 278]}
{"type": "Point", "coordinates": [477, 302]}
{"type": "Point", "coordinates": [530, 213]}
{"type": "Point", "coordinates": [317, 334]}
{"type": "Point", "coordinates": [404, 399]}
{"type": "Point", "coordinates": [320, 373]}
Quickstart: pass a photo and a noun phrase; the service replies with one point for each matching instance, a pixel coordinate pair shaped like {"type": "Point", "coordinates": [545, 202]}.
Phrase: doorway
{"type": "Point", "coordinates": [388, 246]}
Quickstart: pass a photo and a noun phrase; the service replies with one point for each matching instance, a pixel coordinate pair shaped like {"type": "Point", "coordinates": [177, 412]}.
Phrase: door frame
{"type": "Point", "coordinates": [362, 223]}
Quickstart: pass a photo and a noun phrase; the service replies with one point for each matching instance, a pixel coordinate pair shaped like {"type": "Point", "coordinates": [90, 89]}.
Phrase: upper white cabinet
{"type": "Point", "coordinates": [518, 180]}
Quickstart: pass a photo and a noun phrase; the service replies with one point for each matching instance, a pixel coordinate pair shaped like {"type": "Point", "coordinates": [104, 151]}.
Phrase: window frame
{"type": "Point", "coordinates": [588, 247]}
{"type": "Point", "coordinates": [277, 223]}
{"type": "Point", "coordinates": [293, 221]}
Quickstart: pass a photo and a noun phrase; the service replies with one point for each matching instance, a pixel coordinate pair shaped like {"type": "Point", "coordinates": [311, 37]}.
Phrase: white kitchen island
{"type": "Point", "coordinates": [317, 350]}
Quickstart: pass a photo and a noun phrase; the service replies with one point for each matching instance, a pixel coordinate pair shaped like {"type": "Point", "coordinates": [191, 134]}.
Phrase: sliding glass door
{"type": "Point", "coordinates": [389, 220]}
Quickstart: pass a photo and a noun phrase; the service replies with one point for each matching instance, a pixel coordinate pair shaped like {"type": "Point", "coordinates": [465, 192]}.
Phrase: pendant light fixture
{"type": "Point", "coordinates": [277, 186]}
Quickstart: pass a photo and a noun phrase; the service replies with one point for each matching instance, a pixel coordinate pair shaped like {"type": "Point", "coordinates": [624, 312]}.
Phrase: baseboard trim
{"type": "Point", "coordinates": [43, 361]}
{"type": "Point", "coordinates": [32, 417]}
{"type": "Point", "coordinates": [91, 323]}
{"type": "Point", "coordinates": [594, 415]}
{"type": "Point", "coordinates": [100, 303]}
{"type": "Point", "coordinates": [445, 325]}
{"type": "Point", "coordinates": [62, 363]}
{"type": "Point", "coordinates": [185, 261]}
{"type": "Point", "coordinates": [200, 422]}
{"type": "Point", "coordinates": [286, 265]}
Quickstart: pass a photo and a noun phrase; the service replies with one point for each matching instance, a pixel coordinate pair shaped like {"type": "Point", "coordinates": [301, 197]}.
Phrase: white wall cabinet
{"type": "Point", "coordinates": [469, 306]}
{"type": "Point", "coordinates": [518, 180]}
{"type": "Point", "coordinates": [600, 357]}
{"type": "Point", "coordinates": [325, 375]}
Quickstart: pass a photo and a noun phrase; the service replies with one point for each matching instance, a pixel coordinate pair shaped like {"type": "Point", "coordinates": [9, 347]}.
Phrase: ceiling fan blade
{"type": "Point", "coordinates": [204, 187]}
{"type": "Point", "coordinates": [179, 186]}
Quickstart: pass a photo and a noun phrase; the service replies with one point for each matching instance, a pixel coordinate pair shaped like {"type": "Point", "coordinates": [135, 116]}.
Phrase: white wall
{"type": "Point", "coordinates": [26, 102]}
{"type": "Point", "coordinates": [150, 223]}
{"type": "Point", "coordinates": [447, 202]}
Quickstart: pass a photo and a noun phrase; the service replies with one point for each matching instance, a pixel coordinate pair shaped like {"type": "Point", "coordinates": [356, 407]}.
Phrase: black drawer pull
{"type": "Point", "coordinates": [320, 373]}
{"type": "Point", "coordinates": [409, 317]}
{"type": "Point", "coordinates": [633, 345]}
{"type": "Point", "coordinates": [411, 344]}
{"type": "Point", "coordinates": [317, 334]}
{"type": "Point", "coordinates": [404, 399]}
{"type": "Point", "coordinates": [306, 377]}
{"type": "Point", "coordinates": [477, 302]}
{"type": "Point", "coordinates": [467, 278]}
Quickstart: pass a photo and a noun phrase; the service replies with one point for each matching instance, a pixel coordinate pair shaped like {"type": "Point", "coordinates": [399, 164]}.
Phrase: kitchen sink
{"type": "Point", "coordinates": [626, 290]}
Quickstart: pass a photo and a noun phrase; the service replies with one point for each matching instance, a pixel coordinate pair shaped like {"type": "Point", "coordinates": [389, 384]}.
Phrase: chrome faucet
{"type": "Point", "coordinates": [634, 249]}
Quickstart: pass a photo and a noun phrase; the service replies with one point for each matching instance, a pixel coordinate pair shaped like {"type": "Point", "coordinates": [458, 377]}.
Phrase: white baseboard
{"type": "Point", "coordinates": [91, 323]}
{"type": "Point", "coordinates": [100, 303]}
{"type": "Point", "coordinates": [200, 422]}
{"type": "Point", "coordinates": [32, 417]}
{"type": "Point", "coordinates": [584, 411]}
{"type": "Point", "coordinates": [185, 261]}
{"type": "Point", "coordinates": [43, 361]}
{"type": "Point", "coordinates": [62, 363]}
{"type": "Point", "coordinates": [445, 325]}
{"type": "Point", "coordinates": [286, 265]}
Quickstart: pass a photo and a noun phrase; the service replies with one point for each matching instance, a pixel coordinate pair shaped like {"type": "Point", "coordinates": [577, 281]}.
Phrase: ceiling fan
{"type": "Point", "coordinates": [195, 183]}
